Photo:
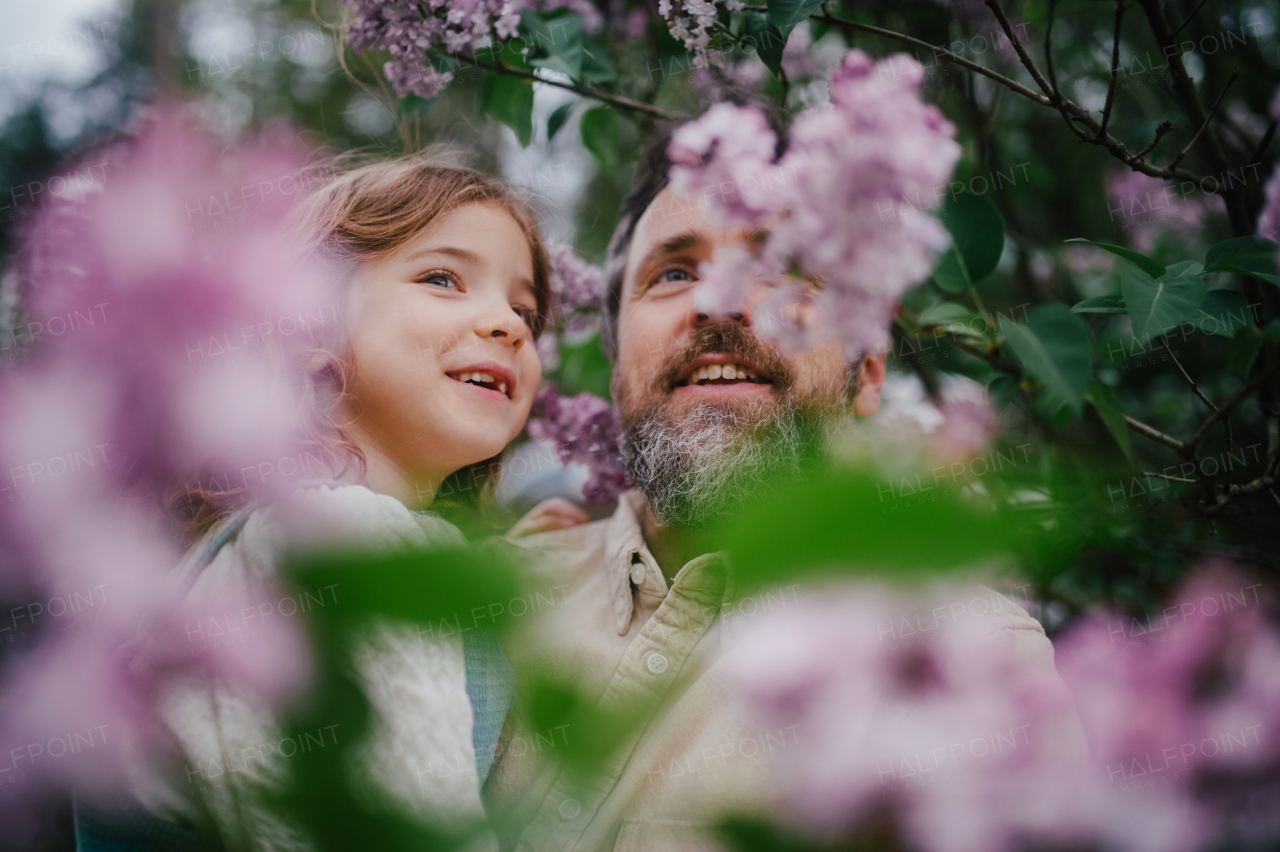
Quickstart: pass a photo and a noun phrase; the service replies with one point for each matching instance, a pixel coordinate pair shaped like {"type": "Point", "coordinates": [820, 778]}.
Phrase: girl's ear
{"type": "Point", "coordinates": [871, 372]}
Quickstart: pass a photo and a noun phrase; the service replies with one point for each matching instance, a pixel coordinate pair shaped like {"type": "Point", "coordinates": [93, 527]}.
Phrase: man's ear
{"type": "Point", "coordinates": [870, 379]}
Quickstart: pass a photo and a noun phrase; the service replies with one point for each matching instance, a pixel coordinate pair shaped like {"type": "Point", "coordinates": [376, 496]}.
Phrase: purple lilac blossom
{"type": "Point", "coordinates": [585, 430]}
{"type": "Point", "coordinates": [1269, 220]}
{"type": "Point", "coordinates": [838, 202]}
{"type": "Point", "coordinates": [692, 23]}
{"type": "Point", "coordinates": [410, 31]}
{"type": "Point", "coordinates": [1146, 207]}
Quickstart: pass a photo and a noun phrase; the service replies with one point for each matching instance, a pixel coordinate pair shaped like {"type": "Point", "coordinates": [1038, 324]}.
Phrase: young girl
{"type": "Point", "coordinates": [433, 373]}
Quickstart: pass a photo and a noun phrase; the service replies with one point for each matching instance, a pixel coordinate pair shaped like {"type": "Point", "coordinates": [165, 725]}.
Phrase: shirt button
{"type": "Point", "coordinates": [656, 664]}
{"type": "Point", "coordinates": [570, 808]}
{"type": "Point", "coordinates": [638, 573]}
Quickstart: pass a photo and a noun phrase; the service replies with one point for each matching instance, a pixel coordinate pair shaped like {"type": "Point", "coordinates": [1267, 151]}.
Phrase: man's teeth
{"type": "Point", "coordinates": [483, 379]}
{"type": "Point", "coordinates": [727, 372]}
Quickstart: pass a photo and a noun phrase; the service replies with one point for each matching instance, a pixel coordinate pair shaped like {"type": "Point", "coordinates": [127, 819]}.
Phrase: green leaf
{"type": "Point", "coordinates": [945, 314]}
{"type": "Point", "coordinates": [557, 119]}
{"type": "Point", "coordinates": [950, 274]}
{"type": "Point", "coordinates": [1252, 256]}
{"type": "Point", "coordinates": [785, 14]}
{"type": "Point", "coordinates": [1054, 347]}
{"type": "Point", "coordinates": [765, 39]}
{"type": "Point", "coordinates": [1271, 333]}
{"type": "Point", "coordinates": [602, 136]}
{"type": "Point", "coordinates": [1222, 312]}
{"type": "Point", "coordinates": [554, 40]}
{"type": "Point", "coordinates": [801, 530]}
{"type": "Point", "coordinates": [1100, 305]}
{"type": "Point", "coordinates": [597, 67]}
{"type": "Point", "coordinates": [977, 232]}
{"type": "Point", "coordinates": [1148, 265]}
{"type": "Point", "coordinates": [1104, 401]}
{"type": "Point", "coordinates": [1244, 350]}
{"type": "Point", "coordinates": [1159, 304]}
{"type": "Point", "coordinates": [1002, 391]}
{"type": "Point", "coordinates": [510, 100]}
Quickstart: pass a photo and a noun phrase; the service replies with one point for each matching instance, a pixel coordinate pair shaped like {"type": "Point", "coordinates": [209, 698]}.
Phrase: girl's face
{"type": "Point", "coordinates": [445, 363]}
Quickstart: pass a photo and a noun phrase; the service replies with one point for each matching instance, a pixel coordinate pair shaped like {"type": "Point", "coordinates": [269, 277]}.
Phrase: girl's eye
{"type": "Point", "coordinates": [441, 278]}
{"type": "Point", "coordinates": [529, 315]}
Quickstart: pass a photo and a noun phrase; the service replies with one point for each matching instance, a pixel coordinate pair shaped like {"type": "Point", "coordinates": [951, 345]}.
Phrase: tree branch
{"type": "Point", "coordinates": [1048, 50]}
{"type": "Point", "coordinates": [1207, 119]}
{"type": "Point", "coordinates": [1154, 434]}
{"type": "Point", "coordinates": [616, 100]}
{"type": "Point", "coordinates": [1161, 129]}
{"type": "Point", "coordinates": [1235, 400]}
{"type": "Point", "coordinates": [1027, 62]}
{"type": "Point", "coordinates": [1190, 17]}
{"type": "Point", "coordinates": [1195, 387]}
{"type": "Point", "coordinates": [1115, 65]}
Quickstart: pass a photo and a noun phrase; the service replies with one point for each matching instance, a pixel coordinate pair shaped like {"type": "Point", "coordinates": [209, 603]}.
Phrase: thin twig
{"type": "Point", "coordinates": [1027, 61]}
{"type": "Point", "coordinates": [1195, 387]}
{"type": "Point", "coordinates": [1207, 119]}
{"type": "Point", "coordinates": [1265, 143]}
{"type": "Point", "coordinates": [1230, 404]}
{"type": "Point", "coordinates": [1161, 129]}
{"type": "Point", "coordinates": [616, 100]}
{"type": "Point", "coordinates": [1154, 434]}
{"type": "Point", "coordinates": [1115, 66]}
{"type": "Point", "coordinates": [1048, 48]}
{"type": "Point", "coordinates": [1190, 17]}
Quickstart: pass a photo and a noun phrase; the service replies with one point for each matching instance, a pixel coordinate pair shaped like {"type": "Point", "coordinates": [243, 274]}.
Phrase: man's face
{"type": "Point", "coordinates": [691, 426]}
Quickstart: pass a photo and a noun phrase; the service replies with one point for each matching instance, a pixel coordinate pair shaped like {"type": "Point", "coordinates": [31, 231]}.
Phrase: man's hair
{"type": "Point", "coordinates": [652, 176]}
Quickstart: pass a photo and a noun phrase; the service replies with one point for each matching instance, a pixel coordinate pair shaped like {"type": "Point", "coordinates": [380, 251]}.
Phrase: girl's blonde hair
{"type": "Point", "coordinates": [361, 212]}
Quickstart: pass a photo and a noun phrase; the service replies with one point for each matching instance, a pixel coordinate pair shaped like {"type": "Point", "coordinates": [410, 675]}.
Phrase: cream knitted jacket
{"type": "Point", "coordinates": [420, 752]}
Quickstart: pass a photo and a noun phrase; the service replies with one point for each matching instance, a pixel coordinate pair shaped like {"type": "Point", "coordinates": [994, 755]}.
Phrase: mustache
{"type": "Point", "coordinates": [729, 338]}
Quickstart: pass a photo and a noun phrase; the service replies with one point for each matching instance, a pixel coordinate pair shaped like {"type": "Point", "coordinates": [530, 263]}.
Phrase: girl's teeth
{"type": "Point", "coordinates": [502, 386]}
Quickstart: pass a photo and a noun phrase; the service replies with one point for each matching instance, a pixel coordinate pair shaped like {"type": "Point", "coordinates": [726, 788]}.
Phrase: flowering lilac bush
{"type": "Point", "coordinates": [585, 431]}
{"type": "Point", "coordinates": [107, 420]}
{"type": "Point", "coordinates": [877, 148]}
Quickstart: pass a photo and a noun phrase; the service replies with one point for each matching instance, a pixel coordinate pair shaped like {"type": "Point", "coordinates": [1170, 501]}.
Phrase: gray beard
{"type": "Point", "coordinates": [699, 468]}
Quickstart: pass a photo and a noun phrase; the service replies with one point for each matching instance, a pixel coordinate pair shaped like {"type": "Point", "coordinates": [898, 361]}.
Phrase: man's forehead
{"type": "Point", "coordinates": [670, 215]}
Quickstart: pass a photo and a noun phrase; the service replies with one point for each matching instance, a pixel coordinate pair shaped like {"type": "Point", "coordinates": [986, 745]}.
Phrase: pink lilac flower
{"type": "Point", "coordinates": [585, 430]}
{"type": "Point", "coordinates": [693, 23]}
{"type": "Point", "coordinates": [411, 32]}
{"type": "Point", "coordinates": [1146, 207]}
{"type": "Point", "coordinates": [576, 284]}
{"type": "Point", "coordinates": [1269, 221]}
{"type": "Point", "coordinates": [148, 275]}
{"type": "Point", "coordinates": [839, 201]}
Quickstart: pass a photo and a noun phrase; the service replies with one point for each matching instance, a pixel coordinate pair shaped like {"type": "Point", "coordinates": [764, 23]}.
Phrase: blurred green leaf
{"type": "Point", "coordinates": [1222, 312]}
{"type": "Point", "coordinates": [556, 120]}
{"type": "Point", "coordinates": [1002, 391]}
{"type": "Point", "coordinates": [1100, 305]}
{"type": "Point", "coordinates": [1053, 346]}
{"type": "Point", "coordinates": [785, 14]}
{"type": "Point", "coordinates": [1147, 264]}
{"type": "Point", "coordinates": [946, 313]}
{"type": "Point", "coordinates": [977, 232]}
{"type": "Point", "coordinates": [950, 274]}
{"type": "Point", "coordinates": [1252, 256]}
{"type": "Point", "coordinates": [1104, 401]}
{"type": "Point", "coordinates": [510, 100]}
{"type": "Point", "coordinates": [1244, 351]}
{"type": "Point", "coordinates": [602, 136]}
{"type": "Point", "coordinates": [1159, 304]}
{"type": "Point", "coordinates": [802, 530]}
{"type": "Point", "coordinates": [554, 39]}
{"type": "Point", "coordinates": [766, 38]}
{"type": "Point", "coordinates": [597, 67]}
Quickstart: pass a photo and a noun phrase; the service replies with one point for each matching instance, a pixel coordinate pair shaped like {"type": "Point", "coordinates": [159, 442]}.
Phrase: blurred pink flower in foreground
{"type": "Point", "coordinates": [172, 363]}
{"type": "Point", "coordinates": [843, 203]}
{"type": "Point", "coordinates": [972, 744]}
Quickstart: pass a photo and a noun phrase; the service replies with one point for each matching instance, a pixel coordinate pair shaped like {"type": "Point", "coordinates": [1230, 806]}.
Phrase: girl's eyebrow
{"type": "Point", "coordinates": [460, 253]}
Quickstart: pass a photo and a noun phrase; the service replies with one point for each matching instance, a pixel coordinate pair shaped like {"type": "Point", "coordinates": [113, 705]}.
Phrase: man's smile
{"type": "Point", "coordinates": [717, 373]}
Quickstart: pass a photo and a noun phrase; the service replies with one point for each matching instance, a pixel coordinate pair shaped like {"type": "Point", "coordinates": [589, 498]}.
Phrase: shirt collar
{"type": "Point", "coordinates": [625, 548]}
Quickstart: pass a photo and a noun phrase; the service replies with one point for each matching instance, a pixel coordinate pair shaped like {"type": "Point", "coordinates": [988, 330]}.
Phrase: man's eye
{"type": "Point", "coordinates": [441, 278]}
{"type": "Point", "coordinates": [675, 275]}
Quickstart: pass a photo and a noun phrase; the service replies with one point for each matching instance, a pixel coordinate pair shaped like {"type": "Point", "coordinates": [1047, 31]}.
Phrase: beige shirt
{"type": "Point", "coordinates": [636, 646]}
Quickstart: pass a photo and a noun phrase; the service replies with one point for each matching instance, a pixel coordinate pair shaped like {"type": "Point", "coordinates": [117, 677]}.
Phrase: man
{"type": "Point", "coordinates": [708, 410]}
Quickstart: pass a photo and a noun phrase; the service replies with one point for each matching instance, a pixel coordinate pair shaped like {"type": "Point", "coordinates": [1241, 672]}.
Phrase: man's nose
{"type": "Point", "coordinates": [698, 319]}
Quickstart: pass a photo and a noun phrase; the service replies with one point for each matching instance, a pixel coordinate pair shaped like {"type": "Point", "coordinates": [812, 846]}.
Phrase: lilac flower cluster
{"type": "Point", "coordinates": [410, 32]}
{"type": "Point", "coordinates": [584, 430]}
{"type": "Point", "coordinates": [111, 415]}
{"type": "Point", "coordinates": [914, 705]}
{"type": "Point", "coordinates": [693, 23]}
{"type": "Point", "coordinates": [1269, 220]}
{"type": "Point", "coordinates": [576, 284]}
{"type": "Point", "coordinates": [1146, 207]}
{"type": "Point", "coordinates": [875, 147]}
